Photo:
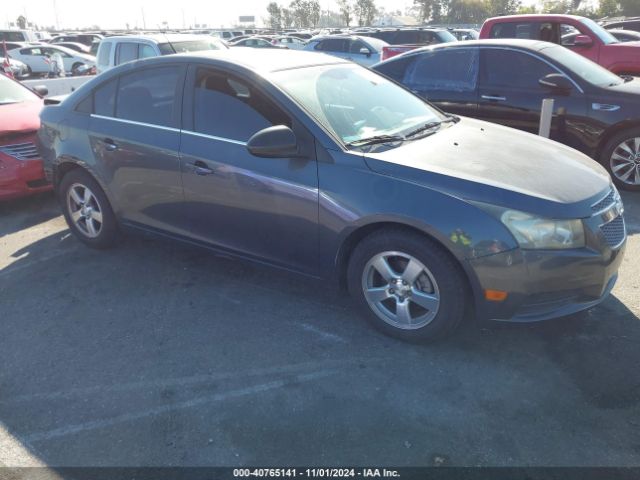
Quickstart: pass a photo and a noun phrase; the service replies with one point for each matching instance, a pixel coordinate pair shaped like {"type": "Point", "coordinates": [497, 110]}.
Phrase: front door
{"type": "Point", "coordinates": [265, 208]}
{"type": "Point", "coordinates": [135, 137]}
{"type": "Point", "coordinates": [510, 94]}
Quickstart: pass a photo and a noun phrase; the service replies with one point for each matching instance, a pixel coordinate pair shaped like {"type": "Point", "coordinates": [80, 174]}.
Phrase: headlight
{"type": "Point", "coordinates": [534, 232]}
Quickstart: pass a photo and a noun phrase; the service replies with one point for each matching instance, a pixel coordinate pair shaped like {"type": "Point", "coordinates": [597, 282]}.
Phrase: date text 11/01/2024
{"type": "Point", "coordinates": [316, 472]}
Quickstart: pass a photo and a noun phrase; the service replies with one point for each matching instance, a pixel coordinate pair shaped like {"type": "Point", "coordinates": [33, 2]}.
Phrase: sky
{"type": "Point", "coordinates": [117, 13]}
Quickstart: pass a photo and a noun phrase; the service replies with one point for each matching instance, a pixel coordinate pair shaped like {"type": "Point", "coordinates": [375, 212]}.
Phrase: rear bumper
{"type": "Point", "coordinates": [19, 178]}
{"type": "Point", "coordinates": [542, 285]}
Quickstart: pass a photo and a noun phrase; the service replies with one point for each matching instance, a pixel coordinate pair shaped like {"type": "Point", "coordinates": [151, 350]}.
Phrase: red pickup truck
{"type": "Point", "coordinates": [580, 34]}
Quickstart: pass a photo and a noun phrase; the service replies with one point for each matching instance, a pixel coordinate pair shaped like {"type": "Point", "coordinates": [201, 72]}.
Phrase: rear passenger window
{"type": "Point", "coordinates": [126, 52]}
{"type": "Point", "coordinates": [396, 68]}
{"type": "Point", "coordinates": [228, 108]}
{"type": "Point", "coordinates": [149, 96]}
{"type": "Point", "coordinates": [104, 99]}
{"type": "Point", "coordinates": [147, 51]}
{"type": "Point", "coordinates": [453, 70]}
{"type": "Point", "coordinates": [333, 45]}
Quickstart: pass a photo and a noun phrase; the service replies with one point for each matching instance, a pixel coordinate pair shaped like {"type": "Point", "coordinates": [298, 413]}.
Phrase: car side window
{"type": "Point", "coordinates": [509, 68]}
{"type": "Point", "coordinates": [149, 96]}
{"type": "Point", "coordinates": [449, 70]}
{"type": "Point", "coordinates": [396, 68]}
{"type": "Point", "coordinates": [104, 99]}
{"type": "Point", "coordinates": [357, 45]}
{"type": "Point", "coordinates": [568, 34]}
{"type": "Point", "coordinates": [333, 45]}
{"type": "Point", "coordinates": [126, 52]}
{"type": "Point", "coordinates": [147, 51]}
{"type": "Point", "coordinates": [229, 108]}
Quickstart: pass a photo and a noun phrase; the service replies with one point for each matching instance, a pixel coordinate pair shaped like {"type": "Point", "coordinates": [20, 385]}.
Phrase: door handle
{"type": "Point", "coordinates": [109, 145]}
{"type": "Point", "coordinates": [201, 168]}
{"type": "Point", "coordinates": [494, 98]}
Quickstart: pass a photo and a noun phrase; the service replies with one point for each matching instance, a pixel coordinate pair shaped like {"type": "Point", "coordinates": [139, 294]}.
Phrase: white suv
{"type": "Point", "coordinates": [116, 50]}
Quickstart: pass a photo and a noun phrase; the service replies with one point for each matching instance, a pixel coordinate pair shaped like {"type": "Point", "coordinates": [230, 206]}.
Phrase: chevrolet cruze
{"type": "Point", "coordinates": [314, 164]}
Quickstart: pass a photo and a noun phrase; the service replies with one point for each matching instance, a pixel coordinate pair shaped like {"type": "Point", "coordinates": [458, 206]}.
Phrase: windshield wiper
{"type": "Point", "coordinates": [376, 139]}
{"type": "Point", "coordinates": [431, 125]}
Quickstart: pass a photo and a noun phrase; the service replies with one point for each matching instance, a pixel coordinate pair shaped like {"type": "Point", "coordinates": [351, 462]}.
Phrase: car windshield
{"type": "Point", "coordinates": [13, 92]}
{"type": "Point", "coordinates": [189, 46]}
{"type": "Point", "coordinates": [602, 34]}
{"type": "Point", "coordinates": [583, 67]}
{"type": "Point", "coordinates": [355, 103]}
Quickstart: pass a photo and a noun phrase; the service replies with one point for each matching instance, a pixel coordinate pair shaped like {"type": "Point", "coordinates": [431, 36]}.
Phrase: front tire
{"type": "Point", "coordinates": [87, 209]}
{"type": "Point", "coordinates": [408, 286]}
{"type": "Point", "coordinates": [621, 157]}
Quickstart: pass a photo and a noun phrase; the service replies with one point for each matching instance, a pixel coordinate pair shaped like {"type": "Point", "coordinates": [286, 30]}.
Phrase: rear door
{"type": "Point", "coordinates": [135, 138]}
{"type": "Point", "coordinates": [509, 94]}
{"type": "Point", "coordinates": [264, 208]}
{"type": "Point", "coordinates": [448, 78]}
{"type": "Point", "coordinates": [338, 47]}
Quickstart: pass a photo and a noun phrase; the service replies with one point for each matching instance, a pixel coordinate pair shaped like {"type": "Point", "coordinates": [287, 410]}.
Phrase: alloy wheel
{"type": "Point", "coordinates": [400, 290]}
{"type": "Point", "coordinates": [625, 161]}
{"type": "Point", "coordinates": [85, 210]}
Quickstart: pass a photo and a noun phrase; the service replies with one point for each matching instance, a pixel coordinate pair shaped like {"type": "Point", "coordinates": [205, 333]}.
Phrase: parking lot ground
{"type": "Point", "coordinates": [160, 354]}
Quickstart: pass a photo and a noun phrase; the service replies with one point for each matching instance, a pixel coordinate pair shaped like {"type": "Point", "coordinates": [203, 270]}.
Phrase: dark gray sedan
{"type": "Point", "coordinates": [317, 165]}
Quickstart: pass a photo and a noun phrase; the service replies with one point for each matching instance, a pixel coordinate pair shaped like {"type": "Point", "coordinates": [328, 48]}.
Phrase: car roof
{"type": "Point", "coordinates": [531, 45]}
{"type": "Point", "coordinates": [269, 60]}
{"type": "Point", "coordinates": [533, 16]}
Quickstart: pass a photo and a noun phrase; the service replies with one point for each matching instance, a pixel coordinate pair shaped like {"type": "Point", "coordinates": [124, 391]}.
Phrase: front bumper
{"type": "Point", "coordinates": [545, 284]}
{"type": "Point", "coordinates": [19, 178]}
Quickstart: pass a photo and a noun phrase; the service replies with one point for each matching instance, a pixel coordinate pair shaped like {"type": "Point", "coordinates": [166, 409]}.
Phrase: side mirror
{"type": "Point", "coordinates": [556, 82]}
{"type": "Point", "coordinates": [582, 41]}
{"type": "Point", "coordinates": [365, 51]}
{"type": "Point", "coordinates": [40, 90]}
{"type": "Point", "coordinates": [274, 142]}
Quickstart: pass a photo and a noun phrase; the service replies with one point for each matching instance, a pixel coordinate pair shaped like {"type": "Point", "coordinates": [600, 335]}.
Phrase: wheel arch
{"type": "Point", "coordinates": [612, 131]}
{"type": "Point", "coordinates": [353, 239]}
{"type": "Point", "coordinates": [66, 165]}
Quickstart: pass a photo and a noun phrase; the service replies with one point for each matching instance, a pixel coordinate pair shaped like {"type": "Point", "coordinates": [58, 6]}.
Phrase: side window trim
{"type": "Point", "coordinates": [482, 80]}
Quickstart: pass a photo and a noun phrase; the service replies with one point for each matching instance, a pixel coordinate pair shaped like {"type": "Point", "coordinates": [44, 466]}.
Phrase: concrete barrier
{"type": "Point", "coordinates": [59, 86]}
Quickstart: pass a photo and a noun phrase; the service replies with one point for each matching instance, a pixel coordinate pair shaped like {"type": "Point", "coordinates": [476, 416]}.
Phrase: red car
{"type": "Point", "coordinates": [580, 34]}
{"type": "Point", "coordinates": [21, 170]}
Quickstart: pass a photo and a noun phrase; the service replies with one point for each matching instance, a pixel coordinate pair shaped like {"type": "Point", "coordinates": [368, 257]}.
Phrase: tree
{"type": "Point", "coordinates": [346, 10]}
{"type": "Point", "coordinates": [21, 22]}
{"type": "Point", "coordinates": [609, 8]}
{"type": "Point", "coordinates": [314, 9]}
{"type": "Point", "coordinates": [505, 7]}
{"type": "Point", "coordinates": [630, 8]}
{"type": "Point", "coordinates": [366, 11]}
{"type": "Point", "coordinates": [287, 17]}
{"type": "Point", "coordinates": [275, 16]}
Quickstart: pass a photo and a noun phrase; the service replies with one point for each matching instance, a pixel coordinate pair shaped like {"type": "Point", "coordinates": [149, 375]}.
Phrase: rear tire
{"type": "Point", "coordinates": [87, 209]}
{"type": "Point", "coordinates": [621, 157]}
{"type": "Point", "coordinates": [407, 285]}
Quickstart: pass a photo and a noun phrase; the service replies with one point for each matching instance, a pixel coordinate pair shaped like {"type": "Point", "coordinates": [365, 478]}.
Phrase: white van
{"type": "Point", "coordinates": [116, 50]}
{"type": "Point", "coordinates": [16, 35]}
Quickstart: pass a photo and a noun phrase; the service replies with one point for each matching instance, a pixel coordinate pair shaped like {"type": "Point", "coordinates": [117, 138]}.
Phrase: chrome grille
{"type": "Point", "coordinates": [614, 231]}
{"type": "Point", "coordinates": [21, 151]}
{"type": "Point", "coordinates": [605, 203]}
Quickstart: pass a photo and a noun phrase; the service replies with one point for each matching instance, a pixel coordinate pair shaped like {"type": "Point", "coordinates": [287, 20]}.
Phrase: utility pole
{"type": "Point", "coordinates": [144, 22]}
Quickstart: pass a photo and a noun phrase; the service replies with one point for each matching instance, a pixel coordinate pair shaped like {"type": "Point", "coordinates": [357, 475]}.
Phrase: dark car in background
{"type": "Point", "coordinates": [402, 40]}
{"type": "Point", "coordinates": [630, 24]}
{"type": "Point", "coordinates": [505, 81]}
{"type": "Point", "coordinates": [320, 166]}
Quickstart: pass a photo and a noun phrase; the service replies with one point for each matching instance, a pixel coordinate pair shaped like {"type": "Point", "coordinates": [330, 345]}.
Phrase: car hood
{"type": "Point", "coordinates": [22, 117]}
{"type": "Point", "coordinates": [489, 163]}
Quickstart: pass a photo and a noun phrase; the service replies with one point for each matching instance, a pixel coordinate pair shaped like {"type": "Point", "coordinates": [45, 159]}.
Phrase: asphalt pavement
{"type": "Point", "coordinates": [160, 354]}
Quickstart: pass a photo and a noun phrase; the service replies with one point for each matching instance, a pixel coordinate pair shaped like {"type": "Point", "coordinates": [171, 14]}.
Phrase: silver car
{"type": "Point", "coordinates": [363, 50]}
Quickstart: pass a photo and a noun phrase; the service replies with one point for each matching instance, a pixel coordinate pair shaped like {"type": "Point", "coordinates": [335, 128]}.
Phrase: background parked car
{"type": "Point", "coordinates": [625, 35]}
{"type": "Point", "coordinates": [402, 40]}
{"type": "Point", "coordinates": [632, 24]}
{"type": "Point", "coordinates": [289, 41]}
{"type": "Point", "coordinates": [464, 33]}
{"type": "Point", "coordinates": [76, 47]}
{"type": "Point", "coordinates": [255, 42]}
{"type": "Point", "coordinates": [116, 50]}
{"type": "Point", "coordinates": [36, 58]}
{"type": "Point", "coordinates": [21, 170]}
{"type": "Point", "coordinates": [15, 35]}
{"type": "Point", "coordinates": [84, 38]}
{"type": "Point", "coordinates": [362, 50]}
{"type": "Point", "coordinates": [505, 81]}
{"type": "Point", "coordinates": [592, 41]}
